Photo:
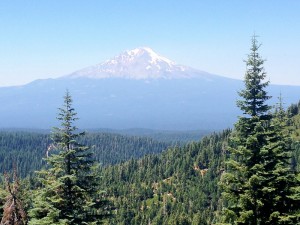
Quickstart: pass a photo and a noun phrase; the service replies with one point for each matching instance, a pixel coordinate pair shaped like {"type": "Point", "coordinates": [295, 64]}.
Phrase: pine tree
{"type": "Point", "coordinates": [258, 173]}
{"type": "Point", "coordinates": [280, 194]}
{"type": "Point", "coordinates": [69, 193]}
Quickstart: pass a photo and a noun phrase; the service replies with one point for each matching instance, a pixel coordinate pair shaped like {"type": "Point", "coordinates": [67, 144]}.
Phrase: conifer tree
{"type": "Point", "coordinates": [281, 202]}
{"type": "Point", "coordinates": [69, 192]}
{"type": "Point", "coordinates": [258, 182]}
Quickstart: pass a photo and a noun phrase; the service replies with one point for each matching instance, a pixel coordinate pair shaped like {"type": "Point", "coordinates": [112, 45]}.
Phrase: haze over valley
{"type": "Point", "coordinates": [135, 89]}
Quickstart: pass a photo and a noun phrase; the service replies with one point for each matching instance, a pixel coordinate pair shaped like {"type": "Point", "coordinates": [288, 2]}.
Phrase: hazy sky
{"type": "Point", "coordinates": [43, 39]}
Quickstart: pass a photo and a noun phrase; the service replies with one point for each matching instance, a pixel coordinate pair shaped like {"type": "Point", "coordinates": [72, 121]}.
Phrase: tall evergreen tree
{"type": "Point", "coordinates": [258, 182]}
{"type": "Point", "coordinates": [69, 192]}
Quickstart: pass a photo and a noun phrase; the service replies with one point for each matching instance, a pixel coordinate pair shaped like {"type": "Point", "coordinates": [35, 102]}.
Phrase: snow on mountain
{"type": "Point", "coordinates": [139, 63]}
{"type": "Point", "coordinates": [145, 101]}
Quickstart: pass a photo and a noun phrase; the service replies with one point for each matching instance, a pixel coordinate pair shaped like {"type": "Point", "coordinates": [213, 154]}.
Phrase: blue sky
{"type": "Point", "coordinates": [43, 39]}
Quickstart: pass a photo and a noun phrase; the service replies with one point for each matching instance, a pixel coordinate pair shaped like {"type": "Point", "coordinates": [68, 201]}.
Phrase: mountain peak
{"type": "Point", "coordinates": [139, 63]}
{"type": "Point", "coordinates": [153, 56]}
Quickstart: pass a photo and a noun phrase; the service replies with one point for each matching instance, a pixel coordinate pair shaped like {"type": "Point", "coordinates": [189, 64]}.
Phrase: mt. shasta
{"type": "Point", "coordinates": [138, 64]}
{"type": "Point", "coordinates": [136, 89]}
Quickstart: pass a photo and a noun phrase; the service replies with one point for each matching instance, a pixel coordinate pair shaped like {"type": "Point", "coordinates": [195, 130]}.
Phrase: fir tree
{"type": "Point", "coordinates": [280, 194]}
{"type": "Point", "coordinates": [69, 193]}
{"type": "Point", "coordinates": [258, 182]}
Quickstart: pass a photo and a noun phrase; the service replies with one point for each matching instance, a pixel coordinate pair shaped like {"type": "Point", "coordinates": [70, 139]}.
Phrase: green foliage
{"type": "Point", "coordinates": [254, 95]}
{"type": "Point", "coordinates": [26, 149]}
{"type": "Point", "coordinates": [69, 186]}
{"type": "Point", "coordinates": [177, 187]}
{"type": "Point", "coordinates": [293, 109]}
{"type": "Point", "coordinates": [259, 184]}
{"type": "Point", "coordinates": [23, 149]}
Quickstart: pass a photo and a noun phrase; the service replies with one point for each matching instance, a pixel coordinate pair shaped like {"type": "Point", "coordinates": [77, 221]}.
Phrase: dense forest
{"type": "Point", "coordinates": [178, 186]}
{"type": "Point", "coordinates": [27, 149]}
{"type": "Point", "coordinates": [245, 175]}
{"type": "Point", "coordinates": [136, 178]}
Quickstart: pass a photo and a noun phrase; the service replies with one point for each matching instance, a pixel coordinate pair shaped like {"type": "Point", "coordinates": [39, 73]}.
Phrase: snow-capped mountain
{"type": "Point", "coordinates": [142, 89]}
{"type": "Point", "coordinates": [139, 63]}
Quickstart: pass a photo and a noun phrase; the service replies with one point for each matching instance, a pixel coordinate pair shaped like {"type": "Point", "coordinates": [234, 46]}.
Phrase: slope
{"type": "Point", "coordinates": [177, 187]}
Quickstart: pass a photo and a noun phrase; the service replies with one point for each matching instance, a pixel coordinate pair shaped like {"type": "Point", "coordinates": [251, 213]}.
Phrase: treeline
{"type": "Point", "coordinates": [178, 186]}
{"type": "Point", "coordinates": [27, 149]}
{"type": "Point", "coordinates": [175, 137]}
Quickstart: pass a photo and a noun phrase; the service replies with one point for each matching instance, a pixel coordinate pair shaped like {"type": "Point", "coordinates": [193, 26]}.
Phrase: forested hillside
{"type": "Point", "coordinates": [27, 149]}
{"type": "Point", "coordinates": [180, 186]}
